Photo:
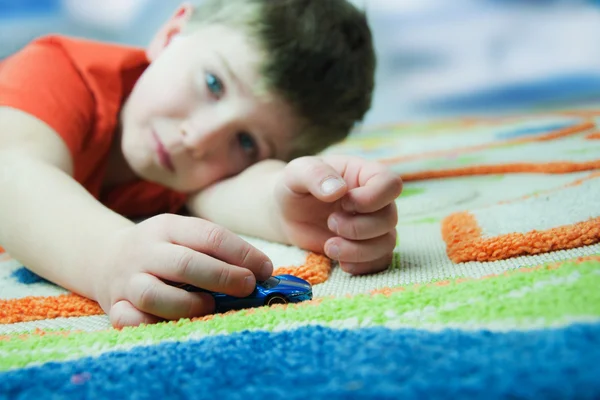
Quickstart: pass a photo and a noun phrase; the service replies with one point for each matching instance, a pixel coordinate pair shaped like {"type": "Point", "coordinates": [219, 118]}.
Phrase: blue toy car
{"type": "Point", "coordinates": [280, 289]}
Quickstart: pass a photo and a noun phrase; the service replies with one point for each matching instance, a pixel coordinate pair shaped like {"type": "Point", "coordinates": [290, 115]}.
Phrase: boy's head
{"type": "Point", "coordinates": [318, 56]}
{"type": "Point", "coordinates": [301, 69]}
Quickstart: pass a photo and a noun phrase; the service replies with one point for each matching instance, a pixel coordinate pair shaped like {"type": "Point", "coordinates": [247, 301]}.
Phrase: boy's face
{"type": "Point", "coordinates": [194, 118]}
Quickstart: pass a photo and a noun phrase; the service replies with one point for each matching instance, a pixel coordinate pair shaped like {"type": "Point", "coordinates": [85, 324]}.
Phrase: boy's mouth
{"type": "Point", "coordinates": [163, 155]}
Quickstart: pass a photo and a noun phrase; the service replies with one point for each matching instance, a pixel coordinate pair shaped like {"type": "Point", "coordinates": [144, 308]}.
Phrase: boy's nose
{"type": "Point", "coordinates": [203, 138]}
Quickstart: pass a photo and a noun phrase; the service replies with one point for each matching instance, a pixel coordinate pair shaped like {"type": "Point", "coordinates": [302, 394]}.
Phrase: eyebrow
{"type": "Point", "coordinates": [238, 81]}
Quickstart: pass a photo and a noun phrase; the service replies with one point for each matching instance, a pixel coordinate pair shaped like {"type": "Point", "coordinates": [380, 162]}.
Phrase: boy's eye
{"type": "Point", "coordinates": [214, 84]}
{"type": "Point", "coordinates": [248, 144]}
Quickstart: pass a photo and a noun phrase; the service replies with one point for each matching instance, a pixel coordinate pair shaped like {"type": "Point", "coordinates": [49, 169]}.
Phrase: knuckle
{"type": "Point", "coordinates": [299, 163]}
{"type": "Point", "coordinates": [370, 198]}
{"type": "Point", "coordinates": [215, 236]}
{"type": "Point", "coordinates": [245, 255]}
{"type": "Point", "coordinates": [148, 296]}
{"type": "Point", "coordinates": [183, 265]}
{"type": "Point", "coordinates": [192, 308]}
{"type": "Point", "coordinates": [159, 225]}
{"type": "Point", "coordinates": [359, 254]}
{"type": "Point", "coordinates": [315, 169]}
{"type": "Point", "coordinates": [354, 231]}
{"type": "Point", "coordinates": [224, 277]}
{"type": "Point", "coordinates": [163, 220]}
{"type": "Point", "coordinates": [305, 160]}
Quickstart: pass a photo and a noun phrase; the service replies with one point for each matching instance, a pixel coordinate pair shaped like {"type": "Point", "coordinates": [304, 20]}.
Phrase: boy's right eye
{"type": "Point", "coordinates": [214, 84]}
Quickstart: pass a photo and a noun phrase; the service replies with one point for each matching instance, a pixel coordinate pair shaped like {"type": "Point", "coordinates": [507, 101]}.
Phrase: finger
{"type": "Point", "coordinates": [364, 226]}
{"type": "Point", "coordinates": [182, 265]}
{"type": "Point", "coordinates": [123, 314]}
{"type": "Point", "coordinates": [379, 190]}
{"type": "Point", "coordinates": [370, 267]}
{"type": "Point", "coordinates": [360, 251]}
{"type": "Point", "coordinates": [152, 296]}
{"type": "Point", "coordinates": [211, 239]}
{"type": "Point", "coordinates": [318, 236]}
{"type": "Point", "coordinates": [311, 175]}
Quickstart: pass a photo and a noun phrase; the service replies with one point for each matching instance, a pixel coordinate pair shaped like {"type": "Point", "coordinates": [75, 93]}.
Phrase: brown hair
{"type": "Point", "coordinates": [319, 58]}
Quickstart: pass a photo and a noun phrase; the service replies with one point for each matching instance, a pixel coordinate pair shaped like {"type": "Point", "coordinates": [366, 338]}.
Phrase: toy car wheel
{"type": "Point", "coordinates": [276, 299]}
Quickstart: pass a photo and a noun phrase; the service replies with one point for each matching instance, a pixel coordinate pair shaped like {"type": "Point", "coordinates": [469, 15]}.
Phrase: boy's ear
{"type": "Point", "coordinates": [170, 29]}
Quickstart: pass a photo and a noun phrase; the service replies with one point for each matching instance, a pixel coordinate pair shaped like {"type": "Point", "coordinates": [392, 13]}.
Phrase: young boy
{"type": "Point", "coordinates": [93, 134]}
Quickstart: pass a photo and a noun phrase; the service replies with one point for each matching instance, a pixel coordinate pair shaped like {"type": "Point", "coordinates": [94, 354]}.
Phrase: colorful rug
{"type": "Point", "coordinates": [494, 291]}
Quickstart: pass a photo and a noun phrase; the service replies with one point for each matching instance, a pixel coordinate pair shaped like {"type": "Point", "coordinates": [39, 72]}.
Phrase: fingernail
{"type": "Point", "coordinates": [333, 251]}
{"type": "Point", "coordinates": [331, 185]}
{"type": "Point", "coordinates": [267, 269]}
{"type": "Point", "coordinates": [333, 225]}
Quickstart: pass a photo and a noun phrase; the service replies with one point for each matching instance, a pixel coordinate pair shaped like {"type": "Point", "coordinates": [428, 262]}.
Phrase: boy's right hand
{"type": "Point", "coordinates": [130, 282]}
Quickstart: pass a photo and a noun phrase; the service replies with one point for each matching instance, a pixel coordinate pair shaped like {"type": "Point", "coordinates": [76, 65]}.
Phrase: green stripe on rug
{"type": "Point", "coordinates": [549, 293]}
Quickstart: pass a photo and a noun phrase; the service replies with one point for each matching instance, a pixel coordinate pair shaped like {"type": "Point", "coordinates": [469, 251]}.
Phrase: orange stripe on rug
{"type": "Point", "coordinates": [571, 130]}
{"type": "Point", "coordinates": [593, 136]}
{"type": "Point", "coordinates": [559, 167]}
{"type": "Point", "coordinates": [464, 241]}
{"type": "Point", "coordinates": [38, 308]}
{"type": "Point", "coordinates": [315, 270]}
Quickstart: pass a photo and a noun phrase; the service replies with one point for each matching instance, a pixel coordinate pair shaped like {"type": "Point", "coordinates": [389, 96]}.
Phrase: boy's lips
{"type": "Point", "coordinates": [163, 155]}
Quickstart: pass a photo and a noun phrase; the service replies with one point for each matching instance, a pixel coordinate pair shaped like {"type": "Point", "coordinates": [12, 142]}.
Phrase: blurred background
{"type": "Point", "coordinates": [436, 58]}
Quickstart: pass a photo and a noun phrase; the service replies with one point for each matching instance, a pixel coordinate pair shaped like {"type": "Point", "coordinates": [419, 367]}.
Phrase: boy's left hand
{"type": "Point", "coordinates": [342, 206]}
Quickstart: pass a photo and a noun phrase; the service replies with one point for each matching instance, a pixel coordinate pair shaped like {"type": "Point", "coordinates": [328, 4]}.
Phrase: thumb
{"type": "Point", "coordinates": [311, 175]}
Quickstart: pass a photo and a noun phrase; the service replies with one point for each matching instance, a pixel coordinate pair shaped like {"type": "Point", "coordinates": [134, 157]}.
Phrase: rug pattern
{"type": "Point", "coordinates": [493, 291]}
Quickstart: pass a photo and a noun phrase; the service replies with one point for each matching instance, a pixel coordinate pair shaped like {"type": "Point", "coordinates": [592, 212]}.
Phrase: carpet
{"type": "Point", "coordinates": [494, 291]}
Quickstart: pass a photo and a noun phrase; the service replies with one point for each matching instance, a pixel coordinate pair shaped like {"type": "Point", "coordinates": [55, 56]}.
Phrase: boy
{"type": "Point", "coordinates": [93, 134]}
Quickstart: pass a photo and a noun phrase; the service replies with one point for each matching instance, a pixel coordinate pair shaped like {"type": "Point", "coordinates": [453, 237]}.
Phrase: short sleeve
{"type": "Point", "coordinates": [42, 81]}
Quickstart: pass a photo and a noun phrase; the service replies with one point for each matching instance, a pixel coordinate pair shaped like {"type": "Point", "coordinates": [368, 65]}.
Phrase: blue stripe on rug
{"type": "Point", "coordinates": [26, 277]}
{"type": "Point", "coordinates": [317, 362]}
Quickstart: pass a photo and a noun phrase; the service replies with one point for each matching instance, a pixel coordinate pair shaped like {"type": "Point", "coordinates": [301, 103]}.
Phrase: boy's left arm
{"type": "Point", "coordinates": [244, 203]}
{"type": "Point", "coordinates": [338, 205]}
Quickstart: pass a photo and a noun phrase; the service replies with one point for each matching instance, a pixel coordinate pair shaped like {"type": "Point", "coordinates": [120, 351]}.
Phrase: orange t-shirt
{"type": "Point", "coordinates": [78, 87]}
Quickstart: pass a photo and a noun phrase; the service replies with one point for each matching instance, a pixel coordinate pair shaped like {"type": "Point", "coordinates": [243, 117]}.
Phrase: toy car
{"type": "Point", "coordinates": [280, 289]}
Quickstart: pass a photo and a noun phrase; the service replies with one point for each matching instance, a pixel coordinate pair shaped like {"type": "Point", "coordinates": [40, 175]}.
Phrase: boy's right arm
{"type": "Point", "coordinates": [51, 224]}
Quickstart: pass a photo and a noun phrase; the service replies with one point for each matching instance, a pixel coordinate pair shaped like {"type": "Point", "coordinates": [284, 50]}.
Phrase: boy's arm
{"type": "Point", "coordinates": [244, 203]}
{"type": "Point", "coordinates": [51, 224]}
{"type": "Point", "coordinates": [47, 220]}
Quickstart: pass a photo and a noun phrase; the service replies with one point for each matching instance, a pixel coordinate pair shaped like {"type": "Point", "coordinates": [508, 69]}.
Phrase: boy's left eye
{"type": "Point", "coordinates": [248, 144]}
{"type": "Point", "coordinates": [214, 84]}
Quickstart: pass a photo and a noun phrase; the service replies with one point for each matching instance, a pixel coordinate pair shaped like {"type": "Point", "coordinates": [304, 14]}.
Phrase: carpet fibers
{"type": "Point", "coordinates": [493, 291]}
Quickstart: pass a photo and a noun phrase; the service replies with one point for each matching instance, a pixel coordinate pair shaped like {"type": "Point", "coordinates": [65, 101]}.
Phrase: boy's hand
{"type": "Point", "coordinates": [131, 287]}
{"type": "Point", "coordinates": [343, 206]}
